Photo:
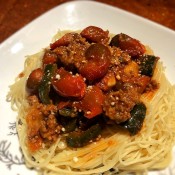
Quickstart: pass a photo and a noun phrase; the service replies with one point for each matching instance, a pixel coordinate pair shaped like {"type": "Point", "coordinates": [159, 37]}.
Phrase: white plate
{"type": "Point", "coordinates": [36, 35]}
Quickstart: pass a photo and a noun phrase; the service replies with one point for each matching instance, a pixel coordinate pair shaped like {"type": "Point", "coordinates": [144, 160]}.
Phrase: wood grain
{"type": "Point", "coordinates": [14, 14]}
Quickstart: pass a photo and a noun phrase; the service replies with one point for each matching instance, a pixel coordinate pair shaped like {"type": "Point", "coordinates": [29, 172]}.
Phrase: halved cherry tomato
{"type": "Point", "coordinates": [68, 85]}
{"type": "Point", "coordinates": [49, 58]}
{"type": "Point", "coordinates": [98, 60]}
{"type": "Point", "coordinates": [95, 34]}
{"type": "Point", "coordinates": [132, 46]}
{"type": "Point", "coordinates": [63, 41]}
{"type": "Point", "coordinates": [92, 102]}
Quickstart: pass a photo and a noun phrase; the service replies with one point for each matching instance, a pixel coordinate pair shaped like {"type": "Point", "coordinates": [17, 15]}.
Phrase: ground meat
{"type": "Point", "coordinates": [73, 54]}
{"type": "Point", "coordinates": [152, 86]}
{"type": "Point", "coordinates": [118, 104]}
{"type": "Point", "coordinates": [118, 56]}
{"type": "Point", "coordinates": [50, 129]}
{"type": "Point", "coordinates": [42, 122]}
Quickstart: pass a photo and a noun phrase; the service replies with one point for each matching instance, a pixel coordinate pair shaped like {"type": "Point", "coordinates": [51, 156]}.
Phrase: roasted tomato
{"type": "Point", "coordinates": [95, 34]}
{"type": "Point", "coordinates": [92, 102]}
{"type": "Point", "coordinates": [34, 79]}
{"type": "Point", "coordinates": [64, 41]}
{"type": "Point", "coordinates": [68, 85]}
{"type": "Point", "coordinates": [49, 58]}
{"type": "Point", "coordinates": [132, 46]}
{"type": "Point", "coordinates": [98, 60]}
{"type": "Point", "coordinates": [107, 82]}
{"type": "Point", "coordinates": [63, 104]}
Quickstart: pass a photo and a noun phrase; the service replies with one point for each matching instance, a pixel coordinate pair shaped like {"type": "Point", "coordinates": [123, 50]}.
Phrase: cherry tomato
{"type": "Point", "coordinates": [95, 34]}
{"type": "Point", "coordinates": [92, 102]}
{"type": "Point", "coordinates": [63, 41]}
{"type": "Point", "coordinates": [49, 58]}
{"type": "Point", "coordinates": [34, 79]}
{"type": "Point", "coordinates": [68, 85]}
{"type": "Point", "coordinates": [132, 46]}
{"type": "Point", "coordinates": [98, 60]}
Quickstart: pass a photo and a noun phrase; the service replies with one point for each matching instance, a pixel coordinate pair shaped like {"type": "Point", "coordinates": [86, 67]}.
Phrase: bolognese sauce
{"type": "Point", "coordinates": [86, 81]}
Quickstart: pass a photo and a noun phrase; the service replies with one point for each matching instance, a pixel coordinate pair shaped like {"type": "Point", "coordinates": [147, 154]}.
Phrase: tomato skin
{"type": "Point", "coordinates": [95, 34]}
{"type": "Point", "coordinates": [107, 82]}
{"type": "Point", "coordinates": [64, 40]}
{"type": "Point", "coordinates": [63, 104]}
{"type": "Point", "coordinates": [92, 70]}
{"type": "Point", "coordinates": [92, 102]}
{"type": "Point", "coordinates": [49, 58]}
{"type": "Point", "coordinates": [132, 46]}
{"type": "Point", "coordinates": [69, 85]}
{"type": "Point", "coordinates": [98, 52]}
{"type": "Point", "coordinates": [98, 60]}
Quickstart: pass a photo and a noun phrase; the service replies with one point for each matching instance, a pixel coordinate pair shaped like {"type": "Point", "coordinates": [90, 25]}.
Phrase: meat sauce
{"type": "Point", "coordinates": [87, 80]}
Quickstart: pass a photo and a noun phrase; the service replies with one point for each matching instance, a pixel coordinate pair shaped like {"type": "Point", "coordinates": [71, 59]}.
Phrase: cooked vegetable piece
{"type": "Point", "coordinates": [132, 69]}
{"type": "Point", "coordinates": [132, 46]}
{"type": "Point", "coordinates": [67, 112]}
{"type": "Point", "coordinates": [107, 82]}
{"type": "Point", "coordinates": [68, 85]}
{"type": "Point", "coordinates": [64, 40]}
{"type": "Point", "coordinates": [142, 82]}
{"type": "Point", "coordinates": [147, 64]}
{"type": "Point", "coordinates": [34, 79]}
{"type": "Point", "coordinates": [63, 104]}
{"type": "Point", "coordinates": [98, 60]}
{"type": "Point", "coordinates": [49, 57]}
{"type": "Point", "coordinates": [92, 102]}
{"type": "Point", "coordinates": [134, 124]}
{"type": "Point", "coordinates": [68, 123]}
{"type": "Point", "coordinates": [44, 87]}
{"type": "Point", "coordinates": [85, 123]}
{"type": "Point", "coordinates": [77, 140]}
{"type": "Point", "coordinates": [95, 34]}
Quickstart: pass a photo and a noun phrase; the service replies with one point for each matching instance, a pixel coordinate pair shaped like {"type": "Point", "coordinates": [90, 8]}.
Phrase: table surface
{"type": "Point", "coordinates": [15, 14]}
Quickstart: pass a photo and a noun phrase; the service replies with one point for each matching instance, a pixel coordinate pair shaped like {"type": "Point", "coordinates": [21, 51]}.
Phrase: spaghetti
{"type": "Point", "coordinates": [115, 149]}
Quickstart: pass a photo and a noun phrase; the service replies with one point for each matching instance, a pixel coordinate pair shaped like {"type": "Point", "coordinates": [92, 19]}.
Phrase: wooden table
{"type": "Point", "coordinates": [14, 14]}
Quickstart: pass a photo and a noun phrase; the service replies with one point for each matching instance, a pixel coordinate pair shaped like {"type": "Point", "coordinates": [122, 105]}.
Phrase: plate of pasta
{"type": "Point", "coordinates": [89, 97]}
